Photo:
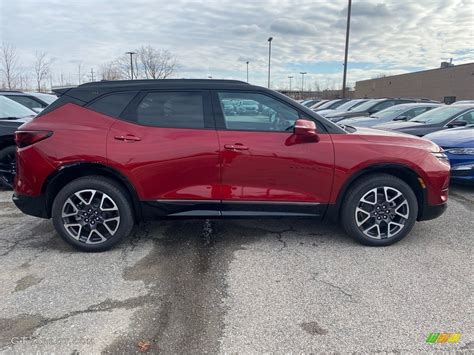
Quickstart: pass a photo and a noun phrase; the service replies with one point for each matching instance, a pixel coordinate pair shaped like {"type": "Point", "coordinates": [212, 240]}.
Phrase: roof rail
{"type": "Point", "coordinates": [158, 81]}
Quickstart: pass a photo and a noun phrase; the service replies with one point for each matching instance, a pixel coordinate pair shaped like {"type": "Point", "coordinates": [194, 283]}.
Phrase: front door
{"type": "Point", "coordinates": [263, 165]}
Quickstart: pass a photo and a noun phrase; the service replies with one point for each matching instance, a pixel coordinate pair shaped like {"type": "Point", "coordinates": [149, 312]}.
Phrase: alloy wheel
{"type": "Point", "coordinates": [90, 216]}
{"type": "Point", "coordinates": [382, 212]}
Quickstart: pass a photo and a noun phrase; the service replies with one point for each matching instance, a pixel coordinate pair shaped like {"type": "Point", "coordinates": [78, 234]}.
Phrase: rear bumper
{"type": "Point", "coordinates": [33, 206]}
{"type": "Point", "coordinates": [432, 212]}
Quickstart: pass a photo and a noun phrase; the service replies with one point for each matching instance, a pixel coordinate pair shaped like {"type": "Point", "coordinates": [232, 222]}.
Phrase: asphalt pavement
{"type": "Point", "coordinates": [237, 286]}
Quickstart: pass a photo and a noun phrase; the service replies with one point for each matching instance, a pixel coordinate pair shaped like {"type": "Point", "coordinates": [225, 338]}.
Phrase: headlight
{"type": "Point", "coordinates": [442, 157]}
{"type": "Point", "coordinates": [461, 151]}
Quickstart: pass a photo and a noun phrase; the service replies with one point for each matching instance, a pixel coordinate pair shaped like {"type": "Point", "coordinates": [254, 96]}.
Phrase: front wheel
{"type": "Point", "coordinates": [379, 210]}
{"type": "Point", "coordinates": [92, 213]}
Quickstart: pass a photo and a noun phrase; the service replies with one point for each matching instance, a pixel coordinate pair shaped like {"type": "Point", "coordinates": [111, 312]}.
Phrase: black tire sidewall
{"type": "Point", "coordinates": [104, 185]}
{"type": "Point", "coordinates": [3, 154]}
{"type": "Point", "coordinates": [362, 187]}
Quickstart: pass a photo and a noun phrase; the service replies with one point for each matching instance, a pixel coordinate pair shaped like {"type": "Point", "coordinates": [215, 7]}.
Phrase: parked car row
{"type": "Point", "coordinates": [450, 126]}
{"type": "Point", "coordinates": [16, 108]}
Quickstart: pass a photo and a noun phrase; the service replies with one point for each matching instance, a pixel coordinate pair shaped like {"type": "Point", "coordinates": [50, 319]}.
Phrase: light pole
{"type": "Point", "coordinates": [270, 39]}
{"type": "Point", "coordinates": [290, 77]}
{"type": "Point", "coordinates": [302, 82]}
{"type": "Point", "coordinates": [346, 52]}
{"type": "Point", "coordinates": [247, 62]}
{"type": "Point", "coordinates": [131, 62]}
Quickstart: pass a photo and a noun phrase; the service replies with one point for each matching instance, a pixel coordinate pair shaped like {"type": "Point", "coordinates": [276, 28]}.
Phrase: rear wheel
{"type": "Point", "coordinates": [379, 210]}
{"type": "Point", "coordinates": [7, 166]}
{"type": "Point", "coordinates": [92, 213]}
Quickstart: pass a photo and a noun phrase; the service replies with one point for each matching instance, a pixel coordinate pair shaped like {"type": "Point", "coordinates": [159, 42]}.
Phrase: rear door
{"type": "Point", "coordinates": [264, 168]}
{"type": "Point", "coordinates": [166, 144]}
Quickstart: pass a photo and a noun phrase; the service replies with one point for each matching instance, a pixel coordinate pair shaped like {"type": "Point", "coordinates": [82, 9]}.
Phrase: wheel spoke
{"type": "Point", "coordinates": [80, 193]}
{"type": "Point", "coordinates": [377, 227]}
{"type": "Point", "coordinates": [112, 230]}
{"type": "Point", "coordinates": [389, 229]}
{"type": "Point", "coordinates": [371, 192]}
{"type": "Point", "coordinates": [104, 199]}
{"type": "Point", "coordinates": [69, 203]}
{"type": "Point", "coordinates": [404, 215]}
{"type": "Point", "coordinates": [96, 232]}
{"type": "Point", "coordinates": [70, 228]}
{"type": "Point", "coordinates": [366, 217]}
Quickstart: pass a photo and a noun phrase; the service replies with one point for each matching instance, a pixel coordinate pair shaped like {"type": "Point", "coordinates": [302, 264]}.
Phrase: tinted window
{"type": "Point", "coordinates": [468, 117]}
{"type": "Point", "coordinates": [171, 109]}
{"type": "Point", "coordinates": [416, 111]}
{"type": "Point", "coordinates": [26, 101]}
{"type": "Point", "coordinates": [438, 115]}
{"type": "Point", "coordinates": [256, 112]}
{"type": "Point", "coordinates": [113, 104]}
{"type": "Point", "coordinates": [383, 105]}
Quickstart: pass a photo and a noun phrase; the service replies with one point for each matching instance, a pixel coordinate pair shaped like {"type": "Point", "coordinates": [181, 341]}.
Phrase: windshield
{"type": "Point", "coordinates": [365, 106]}
{"type": "Point", "coordinates": [328, 104]}
{"type": "Point", "coordinates": [348, 105]}
{"type": "Point", "coordinates": [389, 112]}
{"type": "Point", "coordinates": [9, 108]}
{"type": "Point", "coordinates": [438, 115]}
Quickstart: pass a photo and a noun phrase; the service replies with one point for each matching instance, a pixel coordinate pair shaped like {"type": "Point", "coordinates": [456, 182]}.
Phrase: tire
{"type": "Point", "coordinates": [364, 209]}
{"type": "Point", "coordinates": [7, 166]}
{"type": "Point", "coordinates": [92, 213]}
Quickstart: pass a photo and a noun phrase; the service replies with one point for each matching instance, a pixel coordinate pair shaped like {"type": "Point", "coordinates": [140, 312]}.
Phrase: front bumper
{"type": "Point", "coordinates": [432, 211]}
{"type": "Point", "coordinates": [33, 206]}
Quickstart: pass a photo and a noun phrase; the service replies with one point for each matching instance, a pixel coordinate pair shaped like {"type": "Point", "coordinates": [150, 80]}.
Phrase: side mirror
{"type": "Point", "coordinates": [401, 118]}
{"type": "Point", "coordinates": [305, 128]}
{"type": "Point", "coordinates": [458, 123]}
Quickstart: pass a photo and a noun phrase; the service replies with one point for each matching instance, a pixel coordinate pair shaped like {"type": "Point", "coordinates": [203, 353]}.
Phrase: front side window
{"type": "Point", "coordinates": [383, 105]}
{"type": "Point", "coordinates": [171, 110]}
{"type": "Point", "coordinates": [256, 112]}
{"type": "Point", "coordinates": [416, 111]}
{"type": "Point", "coordinates": [467, 117]}
{"type": "Point", "coordinates": [438, 115]}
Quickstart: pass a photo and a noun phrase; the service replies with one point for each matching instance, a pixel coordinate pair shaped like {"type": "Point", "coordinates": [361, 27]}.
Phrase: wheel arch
{"type": "Point", "coordinates": [403, 172]}
{"type": "Point", "coordinates": [70, 172]}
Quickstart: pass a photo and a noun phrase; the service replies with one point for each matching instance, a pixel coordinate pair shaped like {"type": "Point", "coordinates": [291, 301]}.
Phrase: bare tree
{"type": "Point", "coordinates": [110, 71]}
{"type": "Point", "coordinates": [156, 63]}
{"type": "Point", "coordinates": [42, 68]}
{"type": "Point", "coordinates": [9, 66]}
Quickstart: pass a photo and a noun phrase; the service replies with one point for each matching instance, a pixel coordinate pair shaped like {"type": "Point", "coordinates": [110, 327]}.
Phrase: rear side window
{"type": "Point", "coordinates": [171, 110]}
{"type": "Point", "coordinates": [26, 101]}
{"type": "Point", "coordinates": [112, 104]}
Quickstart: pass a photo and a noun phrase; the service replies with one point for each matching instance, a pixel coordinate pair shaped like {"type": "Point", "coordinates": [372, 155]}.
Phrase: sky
{"type": "Point", "coordinates": [216, 37]}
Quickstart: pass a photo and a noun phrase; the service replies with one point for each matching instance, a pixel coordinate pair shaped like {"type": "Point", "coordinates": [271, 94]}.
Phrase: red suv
{"type": "Point", "coordinates": [107, 155]}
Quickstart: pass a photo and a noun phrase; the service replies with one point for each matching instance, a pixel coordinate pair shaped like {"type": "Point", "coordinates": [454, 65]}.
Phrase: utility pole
{"type": "Point", "coordinates": [247, 62]}
{"type": "Point", "coordinates": [348, 27]}
{"type": "Point", "coordinates": [290, 77]}
{"type": "Point", "coordinates": [302, 82]}
{"type": "Point", "coordinates": [270, 39]}
{"type": "Point", "coordinates": [131, 62]}
{"type": "Point", "coordinates": [92, 74]}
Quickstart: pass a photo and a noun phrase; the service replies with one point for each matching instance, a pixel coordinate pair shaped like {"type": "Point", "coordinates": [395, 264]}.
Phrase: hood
{"type": "Point", "coordinates": [456, 137]}
{"type": "Point", "coordinates": [20, 120]}
{"type": "Point", "coordinates": [401, 139]}
{"type": "Point", "coordinates": [399, 125]}
{"type": "Point", "coordinates": [325, 112]}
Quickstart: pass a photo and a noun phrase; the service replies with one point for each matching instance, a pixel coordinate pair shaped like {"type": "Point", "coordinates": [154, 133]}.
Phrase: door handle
{"type": "Point", "coordinates": [236, 146]}
{"type": "Point", "coordinates": [128, 138]}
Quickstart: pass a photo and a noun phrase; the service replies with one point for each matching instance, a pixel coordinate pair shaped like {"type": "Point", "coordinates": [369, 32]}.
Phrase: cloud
{"type": "Point", "coordinates": [216, 37]}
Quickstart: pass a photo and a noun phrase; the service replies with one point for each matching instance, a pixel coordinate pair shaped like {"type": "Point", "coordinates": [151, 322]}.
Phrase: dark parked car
{"type": "Point", "coordinates": [435, 120]}
{"type": "Point", "coordinates": [347, 106]}
{"type": "Point", "coordinates": [35, 102]}
{"type": "Point", "coordinates": [458, 144]}
{"type": "Point", "coordinates": [370, 107]}
{"type": "Point", "coordinates": [311, 102]}
{"type": "Point", "coordinates": [331, 105]}
{"type": "Point", "coordinates": [107, 155]}
{"type": "Point", "coordinates": [401, 112]}
{"type": "Point", "coordinates": [12, 116]}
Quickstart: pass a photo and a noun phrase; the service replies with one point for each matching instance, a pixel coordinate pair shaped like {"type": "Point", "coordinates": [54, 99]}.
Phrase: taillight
{"type": "Point", "coordinates": [26, 138]}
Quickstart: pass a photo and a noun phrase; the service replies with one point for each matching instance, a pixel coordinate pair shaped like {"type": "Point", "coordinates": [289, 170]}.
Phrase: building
{"type": "Point", "coordinates": [447, 84]}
